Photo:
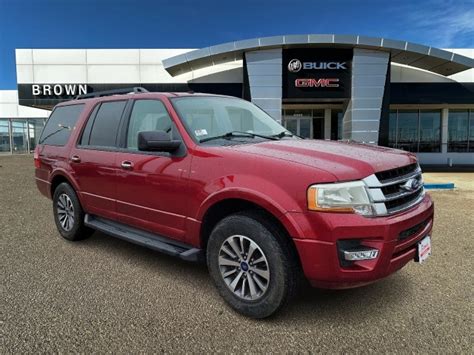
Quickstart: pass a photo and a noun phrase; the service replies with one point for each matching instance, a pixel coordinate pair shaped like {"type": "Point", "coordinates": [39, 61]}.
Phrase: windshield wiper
{"type": "Point", "coordinates": [61, 127]}
{"type": "Point", "coordinates": [234, 134]}
{"type": "Point", "coordinates": [283, 134]}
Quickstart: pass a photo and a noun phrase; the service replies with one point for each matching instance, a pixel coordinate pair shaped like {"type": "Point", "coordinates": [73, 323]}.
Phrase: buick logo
{"type": "Point", "coordinates": [411, 185]}
{"type": "Point", "coordinates": [294, 66]}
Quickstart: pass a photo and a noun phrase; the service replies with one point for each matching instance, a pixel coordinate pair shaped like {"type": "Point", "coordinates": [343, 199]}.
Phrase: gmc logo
{"type": "Point", "coordinates": [317, 83]}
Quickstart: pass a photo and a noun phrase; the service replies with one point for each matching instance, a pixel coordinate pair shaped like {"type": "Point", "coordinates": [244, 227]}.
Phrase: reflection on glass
{"type": "Point", "coordinates": [4, 136]}
{"type": "Point", "coordinates": [471, 131]}
{"type": "Point", "coordinates": [458, 123]}
{"type": "Point", "coordinates": [430, 131]}
{"type": "Point", "coordinates": [408, 130]}
{"type": "Point", "coordinates": [392, 129]}
{"type": "Point", "coordinates": [305, 128]}
{"type": "Point", "coordinates": [336, 124]}
{"type": "Point", "coordinates": [340, 124]}
{"type": "Point", "coordinates": [35, 126]}
{"type": "Point", "coordinates": [415, 130]}
{"type": "Point", "coordinates": [19, 136]}
{"type": "Point", "coordinates": [292, 126]}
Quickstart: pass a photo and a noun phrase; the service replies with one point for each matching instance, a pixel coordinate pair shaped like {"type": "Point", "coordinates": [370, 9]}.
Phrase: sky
{"type": "Point", "coordinates": [196, 24]}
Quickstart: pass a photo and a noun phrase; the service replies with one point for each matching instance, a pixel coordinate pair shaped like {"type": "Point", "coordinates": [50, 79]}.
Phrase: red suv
{"type": "Point", "coordinates": [213, 177]}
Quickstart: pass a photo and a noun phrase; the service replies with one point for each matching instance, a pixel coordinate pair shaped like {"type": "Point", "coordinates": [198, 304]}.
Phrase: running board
{"type": "Point", "coordinates": [143, 238]}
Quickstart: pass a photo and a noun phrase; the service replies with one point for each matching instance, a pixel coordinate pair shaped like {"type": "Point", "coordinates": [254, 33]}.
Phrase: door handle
{"type": "Point", "coordinates": [75, 159]}
{"type": "Point", "coordinates": [127, 165]}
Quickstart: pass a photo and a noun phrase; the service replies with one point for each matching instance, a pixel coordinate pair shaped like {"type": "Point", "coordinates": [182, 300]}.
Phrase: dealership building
{"type": "Point", "coordinates": [372, 90]}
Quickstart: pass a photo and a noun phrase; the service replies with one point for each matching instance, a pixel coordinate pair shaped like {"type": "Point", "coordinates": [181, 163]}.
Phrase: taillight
{"type": "Point", "coordinates": [36, 157]}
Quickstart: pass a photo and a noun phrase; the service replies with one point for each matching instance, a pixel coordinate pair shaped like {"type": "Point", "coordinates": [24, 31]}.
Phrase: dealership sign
{"type": "Point", "coordinates": [317, 83]}
{"type": "Point", "coordinates": [295, 65]}
{"type": "Point", "coordinates": [316, 73]}
{"type": "Point", "coordinates": [58, 89]}
{"type": "Point", "coordinates": [48, 95]}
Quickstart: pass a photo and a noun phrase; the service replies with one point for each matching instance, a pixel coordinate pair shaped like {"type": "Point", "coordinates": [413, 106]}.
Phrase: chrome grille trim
{"type": "Point", "coordinates": [407, 205]}
{"type": "Point", "coordinates": [400, 179]}
{"type": "Point", "coordinates": [392, 197]}
{"type": "Point", "coordinates": [386, 203]}
{"type": "Point", "coordinates": [373, 181]}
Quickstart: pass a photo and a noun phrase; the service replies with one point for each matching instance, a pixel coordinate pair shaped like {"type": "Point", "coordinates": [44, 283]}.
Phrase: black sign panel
{"type": "Point", "coordinates": [317, 73]}
{"type": "Point", "coordinates": [48, 95]}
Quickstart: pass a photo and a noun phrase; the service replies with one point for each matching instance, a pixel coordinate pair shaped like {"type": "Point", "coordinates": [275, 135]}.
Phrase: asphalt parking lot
{"type": "Point", "coordinates": [105, 295]}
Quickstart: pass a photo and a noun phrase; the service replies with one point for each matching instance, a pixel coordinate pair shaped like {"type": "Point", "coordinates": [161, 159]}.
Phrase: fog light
{"type": "Point", "coordinates": [360, 254]}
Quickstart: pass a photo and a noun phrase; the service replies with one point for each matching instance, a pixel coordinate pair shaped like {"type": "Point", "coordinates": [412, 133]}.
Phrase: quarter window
{"type": "Point", "coordinates": [60, 125]}
{"type": "Point", "coordinates": [147, 115]}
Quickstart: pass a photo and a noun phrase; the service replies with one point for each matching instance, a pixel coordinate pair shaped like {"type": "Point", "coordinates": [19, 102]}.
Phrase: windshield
{"type": "Point", "coordinates": [212, 116]}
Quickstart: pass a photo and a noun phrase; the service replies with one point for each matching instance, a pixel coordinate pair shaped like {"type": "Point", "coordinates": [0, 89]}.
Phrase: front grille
{"type": "Point", "coordinates": [395, 204]}
{"type": "Point", "coordinates": [394, 173]}
{"type": "Point", "coordinates": [397, 189]}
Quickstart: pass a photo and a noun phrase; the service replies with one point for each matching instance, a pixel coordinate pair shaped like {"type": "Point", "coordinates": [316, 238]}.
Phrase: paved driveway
{"type": "Point", "coordinates": [104, 295]}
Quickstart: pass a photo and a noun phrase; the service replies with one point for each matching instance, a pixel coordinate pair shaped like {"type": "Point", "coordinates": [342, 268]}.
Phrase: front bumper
{"type": "Point", "coordinates": [395, 237]}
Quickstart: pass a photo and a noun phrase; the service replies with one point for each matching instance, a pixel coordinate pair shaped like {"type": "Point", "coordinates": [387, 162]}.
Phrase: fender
{"type": "Point", "coordinates": [62, 172]}
{"type": "Point", "coordinates": [258, 198]}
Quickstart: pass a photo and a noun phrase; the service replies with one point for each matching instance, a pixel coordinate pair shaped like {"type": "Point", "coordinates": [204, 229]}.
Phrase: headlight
{"type": "Point", "coordinates": [346, 197]}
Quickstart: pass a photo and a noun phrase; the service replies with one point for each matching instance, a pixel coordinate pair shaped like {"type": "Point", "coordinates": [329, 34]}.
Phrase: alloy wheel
{"type": "Point", "coordinates": [244, 267]}
{"type": "Point", "coordinates": [65, 211]}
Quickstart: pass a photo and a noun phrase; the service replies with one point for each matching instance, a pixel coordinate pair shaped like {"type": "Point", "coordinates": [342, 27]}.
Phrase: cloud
{"type": "Point", "coordinates": [444, 24]}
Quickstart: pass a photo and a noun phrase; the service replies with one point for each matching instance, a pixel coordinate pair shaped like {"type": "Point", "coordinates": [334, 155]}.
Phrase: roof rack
{"type": "Point", "coordinates": [135, 90]}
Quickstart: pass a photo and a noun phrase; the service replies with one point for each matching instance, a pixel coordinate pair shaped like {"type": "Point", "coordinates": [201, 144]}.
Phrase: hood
{"type": "Point", "coordinates": [345, 160]}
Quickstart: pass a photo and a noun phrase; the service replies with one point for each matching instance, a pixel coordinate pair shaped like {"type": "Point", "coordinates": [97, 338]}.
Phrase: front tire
{"type": "Point", "coordinates": [252, 264]}
{"type": "Point", "coordinates": [68, 214]}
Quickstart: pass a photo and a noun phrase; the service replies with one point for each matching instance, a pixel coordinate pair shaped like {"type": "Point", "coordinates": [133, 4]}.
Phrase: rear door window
{"type": "Point", "coordinates": [60, 125]}
{"type": "Point", "coordinates": [101, 129]}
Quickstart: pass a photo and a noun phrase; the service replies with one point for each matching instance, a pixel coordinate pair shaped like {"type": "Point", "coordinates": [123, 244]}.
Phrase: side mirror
{"type": "Point", "coordinates": [156, 141]}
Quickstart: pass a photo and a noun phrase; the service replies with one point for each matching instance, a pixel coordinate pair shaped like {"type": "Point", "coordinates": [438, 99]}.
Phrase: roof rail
{"type": "Point", "coordinates": [135, 90]}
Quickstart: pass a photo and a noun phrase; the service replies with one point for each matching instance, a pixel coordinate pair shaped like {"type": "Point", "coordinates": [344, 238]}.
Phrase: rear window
{"type": "Point", "coordinates": [60, 124]}
{"type": "Point", "coordinates": [101, 130]}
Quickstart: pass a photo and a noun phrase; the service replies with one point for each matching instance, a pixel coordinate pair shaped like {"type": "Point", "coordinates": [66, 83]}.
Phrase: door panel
{"type": "Point", "coordinates": [152, 192]}
{"type": "Point", "coordinates": [94, 159]}
{"type": "Point", "coordinates": [152, 187]}
{"type": "Point", "coordinates": [96, 172]}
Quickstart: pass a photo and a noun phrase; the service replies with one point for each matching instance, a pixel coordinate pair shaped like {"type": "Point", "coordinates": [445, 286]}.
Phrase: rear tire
{"type": "Point", "coordinates": [253, 264]}
{"type": "Point", "coordinates": [68, 214]}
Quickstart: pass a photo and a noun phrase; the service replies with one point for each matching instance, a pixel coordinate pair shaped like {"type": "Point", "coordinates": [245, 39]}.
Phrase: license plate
{"type": "Point", "coordinates": [424, 249]}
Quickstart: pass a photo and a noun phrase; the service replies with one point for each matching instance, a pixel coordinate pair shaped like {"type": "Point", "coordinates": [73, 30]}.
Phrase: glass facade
{"type": "Point", "coordinates": [336, 124]}
{"type": "Point", "coordinates": [4, 136]}
{"type": "Point", "coordinates": [461, 131]}
{"type": "Point", "coordinates": [310, 123]}
{"type": "Point", "coordinates": [20, 136]}
{"type": "Point", "coordinates": [415, 130]}
{"type": "Point", "coordinates": [299, 121]}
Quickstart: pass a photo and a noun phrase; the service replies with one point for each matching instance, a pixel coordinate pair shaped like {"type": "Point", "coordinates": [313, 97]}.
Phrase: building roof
{"type": "Point", "coordinates": [416, 55]}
